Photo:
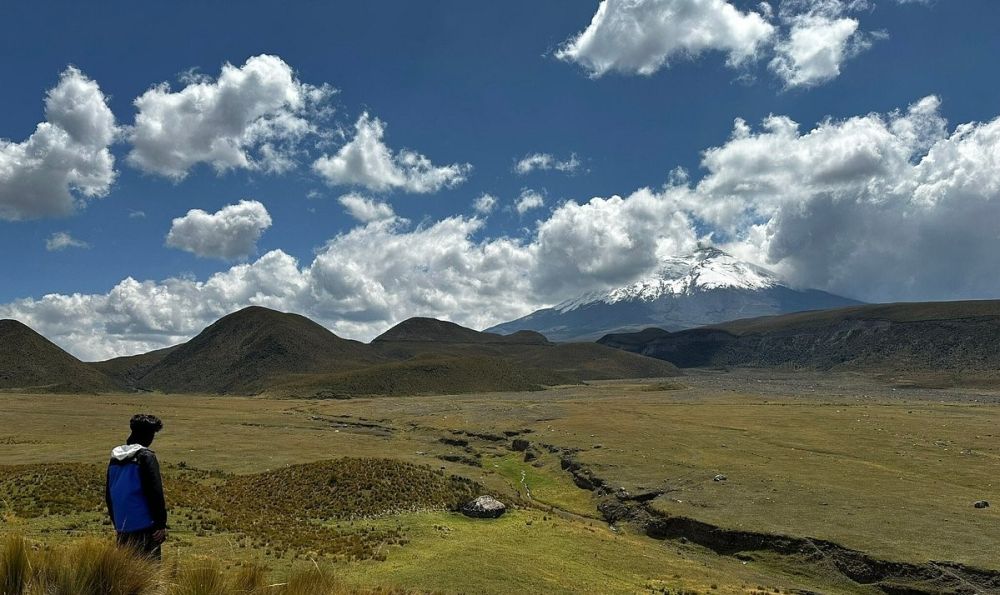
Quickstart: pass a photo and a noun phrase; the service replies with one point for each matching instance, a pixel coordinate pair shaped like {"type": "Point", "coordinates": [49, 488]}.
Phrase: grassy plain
{"type": "Point", "coordinates": [888, 471]}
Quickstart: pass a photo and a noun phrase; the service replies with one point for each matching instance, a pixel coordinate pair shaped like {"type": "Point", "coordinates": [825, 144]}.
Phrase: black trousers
{"type": "Point", "coordinates": [141, 542]}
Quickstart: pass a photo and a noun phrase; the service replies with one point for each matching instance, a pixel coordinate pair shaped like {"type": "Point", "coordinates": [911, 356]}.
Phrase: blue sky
{"type": "Point", "coordinates": [481, 85]}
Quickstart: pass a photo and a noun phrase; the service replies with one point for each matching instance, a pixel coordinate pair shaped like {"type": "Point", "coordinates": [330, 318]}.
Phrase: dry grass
{"type": "Point", "coordinates": [89, 567]}
{"type": "Point", "coordinates": [838, 457]}
{"type": "Point", "coordinates": [96, 567]}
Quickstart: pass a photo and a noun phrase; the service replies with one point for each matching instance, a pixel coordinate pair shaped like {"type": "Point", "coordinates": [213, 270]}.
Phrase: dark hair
{"type": "Point", "coordinates": [145, 424]}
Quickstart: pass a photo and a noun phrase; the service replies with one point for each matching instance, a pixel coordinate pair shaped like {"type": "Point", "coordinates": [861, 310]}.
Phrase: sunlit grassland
{"type": "Point", "coordinates": [889, 472]}
{"type": "Point", "coordinates": [546, 484]}
{"type": "Point", "coordinates": [894, 477]}
{"type": "Point", "coordinates": [530, 551]}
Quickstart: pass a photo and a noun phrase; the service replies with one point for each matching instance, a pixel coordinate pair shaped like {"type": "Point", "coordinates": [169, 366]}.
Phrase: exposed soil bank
{"type": "Point", "coordinates": [897, 578]}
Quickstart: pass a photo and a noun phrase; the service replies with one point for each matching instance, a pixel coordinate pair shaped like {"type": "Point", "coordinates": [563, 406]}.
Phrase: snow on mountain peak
{"type": "Point", "coordinates": [704, 269]}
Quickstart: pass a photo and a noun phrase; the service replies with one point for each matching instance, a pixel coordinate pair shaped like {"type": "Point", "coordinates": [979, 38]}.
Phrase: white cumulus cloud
{"type": "Point", "coordinates": [484, 203]}
{"type": "Point", "coordinates": [643, 36]}
{"type": "Point", "coordinates": [250, 117]}
{"type": "Point", "coordinates": [228, 234]}
{"type": "Point", "coordinates": [66, 160]}
{"type": "Point", "coordinates": [528, 200]}
{"type": "Point", "coordinates": [882, 207]}
{"type": "Point", "coordinates": [546, 161]}
{"type": "Point", "coordinates": [365, 209]}
{"type": "Point", "coordinates": [367, 162]}
{"type": "Point", "coordinates": [362, 281]}
{"type": "Point", "coordinates": [817, 40]}
{"type": "Point", "coordinates": [608, 241]}
{"type": "Point", "coordinates": [61, 240]}
{"type": "Point", "coordinates": [806, 42]}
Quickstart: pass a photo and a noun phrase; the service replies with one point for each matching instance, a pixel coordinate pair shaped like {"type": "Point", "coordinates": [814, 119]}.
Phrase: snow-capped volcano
{"type": "Point", "coordinates": [707, 286]}
{"type": "Point", "coordinates": [702, 270]}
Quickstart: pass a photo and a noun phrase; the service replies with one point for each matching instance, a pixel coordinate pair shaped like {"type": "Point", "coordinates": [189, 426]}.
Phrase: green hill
{"type": "Point", "coordinates": [241, 353]}
{"type": "Point", "coordinates": [261, 351]}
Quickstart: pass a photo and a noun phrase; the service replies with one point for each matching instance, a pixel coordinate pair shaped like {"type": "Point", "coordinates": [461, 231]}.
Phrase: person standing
{"type": "Point", "coordinates": [134, 490]}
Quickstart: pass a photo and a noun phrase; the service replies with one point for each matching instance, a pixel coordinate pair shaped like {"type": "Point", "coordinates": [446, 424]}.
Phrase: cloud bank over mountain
{"type": "Point", "coordinates": [876, 206]}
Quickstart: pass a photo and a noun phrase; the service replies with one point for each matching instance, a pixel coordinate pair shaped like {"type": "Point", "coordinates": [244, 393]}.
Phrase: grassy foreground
{"type": "Point", "coordinates": [97, 567]}
{"type": "Point", "coordinates": [888, 471]}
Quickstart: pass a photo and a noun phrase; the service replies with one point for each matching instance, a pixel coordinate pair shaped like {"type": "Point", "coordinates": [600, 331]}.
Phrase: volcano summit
{"type": "Point", "coordinates": [705, 287]}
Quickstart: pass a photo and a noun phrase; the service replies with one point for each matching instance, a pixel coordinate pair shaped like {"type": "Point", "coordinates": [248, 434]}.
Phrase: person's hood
{"type": "Point", "coordinates": [126, 451]}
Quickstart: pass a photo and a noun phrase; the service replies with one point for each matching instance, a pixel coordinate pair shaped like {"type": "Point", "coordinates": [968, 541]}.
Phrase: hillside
{"type": "Point", "coordinates": [961, 337]}
{"type": "Point", "coordinates": [572, 362]}
{"type": "Point", "coordinates": [261, 351]}
{"type": "Point", "coordinates": [29, 361]}
{"type": "Point", "coordinates": [240, 352]}
{"type": "Point", "coordinates": [422, 376]}
{"type": "Point", "coordinates": [432, 330]}
{"type": "Point", "coordinates": [707, 286]}
{"type": "Point", "coordinates": [126, 371]}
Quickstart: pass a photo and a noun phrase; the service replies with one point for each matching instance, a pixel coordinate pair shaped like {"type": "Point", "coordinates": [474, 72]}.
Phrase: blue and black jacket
{"type": "Point", "coordinates": [134, 490]}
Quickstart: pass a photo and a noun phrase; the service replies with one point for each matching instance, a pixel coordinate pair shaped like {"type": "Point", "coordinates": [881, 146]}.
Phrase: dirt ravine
{"type": "Point", "coordinates": [931, 578]}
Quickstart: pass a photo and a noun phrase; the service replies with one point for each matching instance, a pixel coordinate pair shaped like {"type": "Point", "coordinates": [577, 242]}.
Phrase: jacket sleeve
{"type": "Point", "coordinates": [152, 488]}
{"type": "Point", "coordinates": [107, 495]}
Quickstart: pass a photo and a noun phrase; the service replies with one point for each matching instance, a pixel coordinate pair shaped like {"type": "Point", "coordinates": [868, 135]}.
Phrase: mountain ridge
{"type": "Point", "coordinates": [257, 350]}
{"type": "Point", "coordinates": [935, 337]}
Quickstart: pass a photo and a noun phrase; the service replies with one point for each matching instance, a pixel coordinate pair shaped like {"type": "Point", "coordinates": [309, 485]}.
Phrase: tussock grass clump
{"type": "Point", "coordinates": [205, 577]}
{"type": "Point", "coordinates": [90, 567]}
{"type": "Point", "coordinates": [98, 567]}
{"type": "Point", "coordinates": [15, 565]}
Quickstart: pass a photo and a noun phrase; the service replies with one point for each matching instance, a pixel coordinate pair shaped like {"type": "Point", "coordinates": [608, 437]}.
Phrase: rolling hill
{"type": "Point", "coordinates": [573, 362]}
{"type": "Point", "coordinates": [29, 361]}
{"type": "Point", "coordinates": [422, 375]}
{"type": "Point", "coordinates": [242, 351]}
{"type": "Point", "coordinates": [261, 351]}
{"type": "Point", "coordinates": [442, 332]}
{"type": "Point", "coordinates": [705, 287]}
{"type": "Point", "coordinates": [958, 337]}
{"type": "Point", "coordinates": [126, 371]}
